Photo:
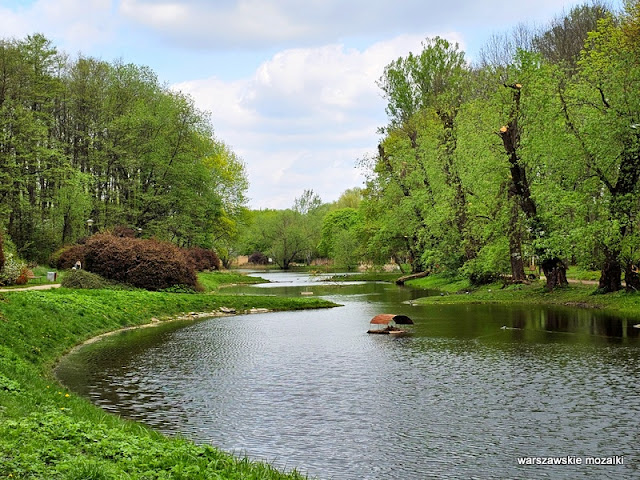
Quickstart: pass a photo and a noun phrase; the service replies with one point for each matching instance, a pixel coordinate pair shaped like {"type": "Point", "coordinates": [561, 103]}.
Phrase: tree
{"type": "Point", "coordinates": [601, 110]}
{"type": "Point", "coordinates": [416, 159]}
{"type": "Point", "coordinates": [564, 39]}
{"type": "Point", "coordinates": [335, 222]}
{"type": "Point", "coordinates": [287, 237]}
{"type": "Point", "coordinates": [85, 138]}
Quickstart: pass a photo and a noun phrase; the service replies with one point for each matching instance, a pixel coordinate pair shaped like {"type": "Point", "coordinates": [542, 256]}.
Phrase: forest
{"type": "Point", "coordinates": [527, 157]}
{"type": "Point", "coordinates": [87, 145]}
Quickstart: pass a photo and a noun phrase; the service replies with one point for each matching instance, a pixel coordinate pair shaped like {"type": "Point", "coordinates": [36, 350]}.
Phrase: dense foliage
{"type": "Point", "coordinates": [203, 259]}
{"type": "Point", "coordinates": [531, 158]}
{"type": "Point", "coordinates": [148, 264]}
{"type": "Point", "coordinates": [87, 145]}
{"type": "Point", "coordinates": [527, 160]}
{"type": "Point", "coordinates": [83, 279]}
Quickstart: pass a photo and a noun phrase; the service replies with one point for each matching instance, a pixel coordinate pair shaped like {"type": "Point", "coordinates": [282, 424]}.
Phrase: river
{"type": "Point", "coordinates": [469, 392]}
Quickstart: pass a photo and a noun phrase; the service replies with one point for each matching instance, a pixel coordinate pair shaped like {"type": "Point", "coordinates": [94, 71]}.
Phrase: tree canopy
{"type": "Point", "coordinates": [88, 145]}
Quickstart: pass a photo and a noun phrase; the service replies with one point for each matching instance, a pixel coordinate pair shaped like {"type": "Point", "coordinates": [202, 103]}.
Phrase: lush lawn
{"type": "Point", "coordinates": [456, 290]}
{"type": "Point", "coordinates": [212, 281]}
{"type": "Point", "coordinates": [367, 277]}
{"type": "Point", "coordinates": [47, 432]}
{"type": "Point", "coordinates": [581, 274]}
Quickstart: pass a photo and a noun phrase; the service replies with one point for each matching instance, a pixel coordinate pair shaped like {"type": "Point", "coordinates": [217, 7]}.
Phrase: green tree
{"type": "Point", "coordinates": [601, 108]}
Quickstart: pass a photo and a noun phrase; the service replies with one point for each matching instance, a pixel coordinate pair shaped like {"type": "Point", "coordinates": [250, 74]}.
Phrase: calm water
{"type": "Point", "coordinates": [462, 397]}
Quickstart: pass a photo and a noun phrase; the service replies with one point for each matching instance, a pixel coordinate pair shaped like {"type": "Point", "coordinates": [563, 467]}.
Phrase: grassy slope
{"type": "Point", "coordinates": [212, 281]}
{"type": "Point", "coordinates": [46, 432]}
{"type": "Point", "coordinates": [454, 289]}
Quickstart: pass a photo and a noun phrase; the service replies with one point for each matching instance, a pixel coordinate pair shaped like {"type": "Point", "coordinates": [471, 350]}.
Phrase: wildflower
{"type": "Point", "coordinates": [67, 395]}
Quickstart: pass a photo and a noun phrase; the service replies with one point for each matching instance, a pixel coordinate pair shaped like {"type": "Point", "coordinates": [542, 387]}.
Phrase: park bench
{"type": "Point", "coordinates": [34, 278]}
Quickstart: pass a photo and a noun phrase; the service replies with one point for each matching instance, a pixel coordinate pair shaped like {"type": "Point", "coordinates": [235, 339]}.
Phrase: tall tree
{"type": "Point", "coordinates": [601, 108]}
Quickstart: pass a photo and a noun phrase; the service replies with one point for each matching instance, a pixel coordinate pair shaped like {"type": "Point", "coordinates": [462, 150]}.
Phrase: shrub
{"type": "Point", "coordinates": [13, 269]}
{"type": "Point", "coordinates": [203, 259]}
{"type": "Point", "coordinates": [67, 257]}
{"type": "Point", "coordinates": [123, 231]}
{"type": "Point", "coordinates": [25, 274]}
{"type": "Point", "coordinates": [148, 264]}
{"type": "Point", "coordinates": [258, 258]}
{"type": "Point", "coordinates": [83, 279]}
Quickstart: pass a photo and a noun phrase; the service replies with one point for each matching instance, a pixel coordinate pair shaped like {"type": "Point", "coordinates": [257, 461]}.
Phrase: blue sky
{"type": "Point", "coordinates": [290, 84]}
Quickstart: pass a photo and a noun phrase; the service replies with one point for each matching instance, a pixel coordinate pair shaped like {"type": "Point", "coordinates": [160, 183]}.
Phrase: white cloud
{"type": "Point", "coordinates": [74, 24]}
{"type": "Point", "coordinates": [304, 117]}
{"type": "Point", "coordinates": [281, 23]}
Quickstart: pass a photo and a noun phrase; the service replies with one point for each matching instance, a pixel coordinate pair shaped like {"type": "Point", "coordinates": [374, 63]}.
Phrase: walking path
{"type": "Point", "coordinates": [48, 286]}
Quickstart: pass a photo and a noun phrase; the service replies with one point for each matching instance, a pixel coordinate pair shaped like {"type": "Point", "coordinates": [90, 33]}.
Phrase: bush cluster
{"type": "Point", "coordinates": [84, 279]}
{"type": "Point", "coordinates": [67, 256]}
{"type": "Point", "coordinates": [203, 259]}
{"type": "Point", "coordinates": [123, 231]}
{"type": "Point", "coordinates": [148, 264]}
{"type": "Point", "coordinates": [12, 271]}
{"type": "Point", "coordinates": [258, 258]}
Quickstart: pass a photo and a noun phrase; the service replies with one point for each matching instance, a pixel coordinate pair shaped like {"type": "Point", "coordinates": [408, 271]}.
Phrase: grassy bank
{"type": "Point", "coordinates": [47, 432]}
{"type": "Point", "coordinates": [458, 290]}
{"type": "Point", "coordinates": [213, 281]}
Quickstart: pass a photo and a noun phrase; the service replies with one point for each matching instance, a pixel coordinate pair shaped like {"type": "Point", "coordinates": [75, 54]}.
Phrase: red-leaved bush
{"type": "Point", "coordinates": [203, 259]}
{"type": "Point", "coordinates": [258, 258]}
{"type": "Point", "coordinates": [67, 257]}
{"type": "Point", "coordinates": [148, 264]}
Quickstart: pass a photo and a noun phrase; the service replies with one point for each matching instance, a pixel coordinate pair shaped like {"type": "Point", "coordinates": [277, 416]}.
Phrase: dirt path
{"type": "Point", "coordinates": [48, 286]}
{"type": "Point", "coordinates": [583, 282]}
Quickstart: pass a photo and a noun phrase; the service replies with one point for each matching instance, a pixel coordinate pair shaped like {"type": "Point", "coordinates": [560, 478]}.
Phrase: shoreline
{"type": "Point", "coordinates": [156, 322]}
{"type": "Point", "coordinates": [46, 431]}
{"type": "Point", "coordinates": [576, 295]}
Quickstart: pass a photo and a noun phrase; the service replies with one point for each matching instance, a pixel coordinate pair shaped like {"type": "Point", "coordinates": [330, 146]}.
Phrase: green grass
{"type": "Point", "coordinates": [49, 433]}
{"type": "Point", "coordinates": [578, 273]}
{"type": "Point", "coordinates": [455, 291]}
{"type": "Point", "coordinates": [212, 281]}
{"type": "Point", "coordinates": [367, 277]}
{"type": "Point", "coordinates": [443, 283]}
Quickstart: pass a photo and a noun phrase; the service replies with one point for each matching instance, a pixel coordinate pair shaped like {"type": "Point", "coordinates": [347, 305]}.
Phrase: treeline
{"type": "Point", "coordinates": [529, 157]}
{"type": "Point", "coordinates": [88, 145]}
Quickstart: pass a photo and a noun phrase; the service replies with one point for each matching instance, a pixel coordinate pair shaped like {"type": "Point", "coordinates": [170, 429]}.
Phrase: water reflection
{"type": "Point", "coordinates": [462, 397]}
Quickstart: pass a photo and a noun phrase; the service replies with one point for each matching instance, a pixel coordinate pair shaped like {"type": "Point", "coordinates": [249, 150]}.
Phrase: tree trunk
{"type": "Point", "coordinates": [515, 245]}
{"type": "Point", "coordinates": [402, 280]}
{"type": "Point", "coordinates": [611, 272]}
{"type": "Point", "coordinates": [631, 278]}
{"type": "Point", "coordinates": [555, 271]}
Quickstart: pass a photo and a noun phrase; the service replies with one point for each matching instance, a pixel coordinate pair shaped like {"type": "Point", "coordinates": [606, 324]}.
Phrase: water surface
{"type": "Point", "coordinates": [471, 390]}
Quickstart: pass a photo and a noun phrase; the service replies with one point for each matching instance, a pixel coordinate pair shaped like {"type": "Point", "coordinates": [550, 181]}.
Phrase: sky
{"type": "Point", "coordinates": [290, 84]}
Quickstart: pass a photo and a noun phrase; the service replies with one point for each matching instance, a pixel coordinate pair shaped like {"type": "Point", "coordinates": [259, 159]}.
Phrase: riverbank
{"type": "Point", "coordinates": [47, 432]}
{"type": "Point", "coordinates": [460, 290]}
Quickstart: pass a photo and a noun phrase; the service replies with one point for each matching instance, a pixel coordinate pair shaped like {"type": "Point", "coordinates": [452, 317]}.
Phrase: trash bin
{"type": "Point", "coordinates": [51, 276]}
